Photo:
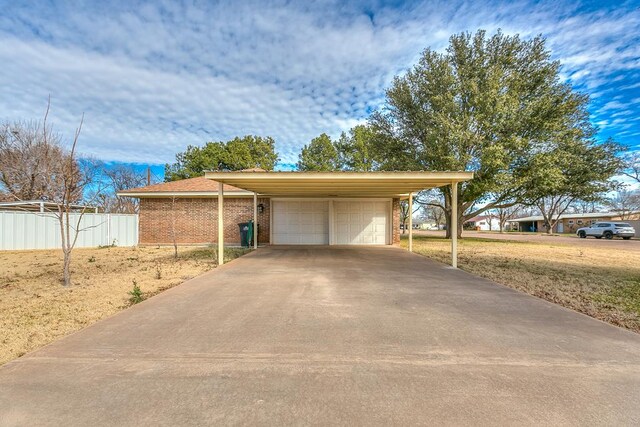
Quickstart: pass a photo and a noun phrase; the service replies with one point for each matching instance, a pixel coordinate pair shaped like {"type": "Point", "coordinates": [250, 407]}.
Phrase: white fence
{"type": "Point", "coordinates": [28, 230]}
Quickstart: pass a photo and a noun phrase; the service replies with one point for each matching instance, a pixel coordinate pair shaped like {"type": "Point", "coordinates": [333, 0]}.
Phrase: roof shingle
{"type": "Point", "coordinates": [190, 185]}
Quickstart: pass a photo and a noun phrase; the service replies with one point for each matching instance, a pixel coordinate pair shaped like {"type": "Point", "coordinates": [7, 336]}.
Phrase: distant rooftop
{"type": "Point", "coordinates": [568, 216]}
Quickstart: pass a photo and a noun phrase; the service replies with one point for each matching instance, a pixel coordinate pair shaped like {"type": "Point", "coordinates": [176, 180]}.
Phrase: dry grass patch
{"type": "Point", "coordinates": [601, 282]}
{"type": "Point", "coordinates": [36, 309]}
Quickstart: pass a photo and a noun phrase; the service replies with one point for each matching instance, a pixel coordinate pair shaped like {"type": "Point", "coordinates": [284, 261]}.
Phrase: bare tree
{"type": "Point", "coordinates": [433, 213]}
{"type": "Point", "coordinates": [632, 165]}
{"type": "Point", "coordinates": [505, 214]}
{"type": "Point", "coordinates": [116, 179]}
{"type": "Point", "coordinates": [433, 204]}
{"type": "Point", "coordinates": [76, 176]}
{"type": "Point", "coordinates": [50, 173]}
{"type": "Point", "coordinates": [552, 208]}
{"type": "Point", "coordinates": [585, 206]}
{"type": "Point", "coordinates": [30, 159]}
{"type": "Point", "coordinates": [626, 203]}
{"type": "Point", "coordinates": [404, 213]}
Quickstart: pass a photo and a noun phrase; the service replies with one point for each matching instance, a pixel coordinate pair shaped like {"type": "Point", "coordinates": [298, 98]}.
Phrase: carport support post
{"type": "Point", "coordinates": [410, 213]}
{"type": "Point", "coordinates": [221, 224]}
{"type": "Point", "coordinates": [255, 220]}
{"type": "Point", "coordinates": [454, 224]}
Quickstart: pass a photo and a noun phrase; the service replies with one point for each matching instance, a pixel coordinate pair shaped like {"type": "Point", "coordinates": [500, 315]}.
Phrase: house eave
{"type": "Point", "coordinates": [182, 194]}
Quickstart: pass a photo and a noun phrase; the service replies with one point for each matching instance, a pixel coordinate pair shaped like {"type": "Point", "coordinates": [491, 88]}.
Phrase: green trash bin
{"type": "Point", "coordinates": [246, 234]}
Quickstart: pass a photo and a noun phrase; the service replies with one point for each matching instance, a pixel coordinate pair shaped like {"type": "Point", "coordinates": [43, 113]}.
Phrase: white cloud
{"type": "Point", "coordinates": [155, 77]}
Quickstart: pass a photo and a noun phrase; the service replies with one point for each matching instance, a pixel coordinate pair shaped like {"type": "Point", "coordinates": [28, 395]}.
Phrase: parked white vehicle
{"type": "Point", "coordinates": [608, 230]}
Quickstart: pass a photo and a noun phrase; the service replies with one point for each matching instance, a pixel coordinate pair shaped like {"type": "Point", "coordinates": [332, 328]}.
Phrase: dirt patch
{"type": "Point", "coordinates": [36, 309]}
{"type": "Point", "coordinates": [601, 282]}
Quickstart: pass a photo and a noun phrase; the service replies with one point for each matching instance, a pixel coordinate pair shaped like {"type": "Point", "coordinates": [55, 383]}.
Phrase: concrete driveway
{"type": "Point", "coordinates": [320, 335]}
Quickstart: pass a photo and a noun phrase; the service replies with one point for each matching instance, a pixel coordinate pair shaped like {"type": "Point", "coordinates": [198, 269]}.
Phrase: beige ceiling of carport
{"type": "Point", "coordinates": [337, 184]}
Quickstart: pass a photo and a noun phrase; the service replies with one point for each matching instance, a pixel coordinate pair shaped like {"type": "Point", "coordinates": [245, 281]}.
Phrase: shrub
{"type": "Point", "coordinates": [135, 295]}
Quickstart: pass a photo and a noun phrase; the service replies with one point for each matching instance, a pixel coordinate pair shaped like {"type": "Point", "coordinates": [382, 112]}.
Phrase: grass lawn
{"type": "Point", "coordinates": [36, 309]}
{"type": "Point", "coordinates": [601, 282]}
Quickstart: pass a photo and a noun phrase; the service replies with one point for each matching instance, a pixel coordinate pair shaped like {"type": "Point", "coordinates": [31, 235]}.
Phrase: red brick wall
{"type": "Point", "coordinates": [196, 220]}
{"type": "Point", "coordinates": [395, 209]}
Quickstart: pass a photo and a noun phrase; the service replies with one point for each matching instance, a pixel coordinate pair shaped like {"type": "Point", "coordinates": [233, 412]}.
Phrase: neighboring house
{"type": "Point", "coordinates": [483, 223]}
{"type": "Point", "coordinates": [425, 225]}
{"type": "Point", "coordinates": [322, 208]}
{"type": "Point", "coordinates": [570, 222]}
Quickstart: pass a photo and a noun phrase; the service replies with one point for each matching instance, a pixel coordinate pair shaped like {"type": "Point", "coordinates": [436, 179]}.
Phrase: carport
{"type": "Point", "coordinates": [351, 202]}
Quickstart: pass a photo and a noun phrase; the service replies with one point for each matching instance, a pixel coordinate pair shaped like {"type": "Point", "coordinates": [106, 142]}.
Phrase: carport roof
{"type": "Point", "coordinates": [337, 184]}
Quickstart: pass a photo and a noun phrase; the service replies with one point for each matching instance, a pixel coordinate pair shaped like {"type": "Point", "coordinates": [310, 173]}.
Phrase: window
{"type": "Point", "coordinates": [622, 225]}
{"type": "Point", "coordinates": [604, 225]}
{"type": "Point", "coordinates": [570, 221]}
{"type": "Point", "coordinates": [579, 221]}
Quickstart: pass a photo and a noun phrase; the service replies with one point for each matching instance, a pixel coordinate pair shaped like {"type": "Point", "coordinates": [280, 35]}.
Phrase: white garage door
{"type": "Point", "coordinates": [300, 223]}
{"type": "Point", "coordinates": [361, 223]}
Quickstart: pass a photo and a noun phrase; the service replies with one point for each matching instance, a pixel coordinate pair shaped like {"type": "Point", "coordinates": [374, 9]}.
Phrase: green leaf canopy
{"type": "Point", "coordinates": [239, 153]}
{"type": "Point", "coordinates": [494, 105]}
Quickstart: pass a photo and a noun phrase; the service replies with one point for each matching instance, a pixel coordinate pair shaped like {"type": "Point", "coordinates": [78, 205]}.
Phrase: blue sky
{"type": "Point", "coordinates": [154, 77]}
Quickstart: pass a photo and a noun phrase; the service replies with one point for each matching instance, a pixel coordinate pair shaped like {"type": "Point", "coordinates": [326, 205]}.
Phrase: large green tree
{"type": "Point", "coordinates": [571, 169]}
{"type": "Point", "coordinates": [239, 153]}
{"type": "Point", "coordinates": [355, 149]}
{"type": "Point", "coordinates": [319, 155]}
{"type": "Point", "coordinates": [486, 104]}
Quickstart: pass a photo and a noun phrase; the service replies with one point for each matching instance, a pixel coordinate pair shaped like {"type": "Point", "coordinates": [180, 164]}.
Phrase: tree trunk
{"type": "Point", "coordinates": [548, 227]}
{"type": "Point", "coordinates": [63, 222]}
{"type": "Point", "coordinates": [447, 221]}
{"type": "Point", "coordinates": [66, 268]}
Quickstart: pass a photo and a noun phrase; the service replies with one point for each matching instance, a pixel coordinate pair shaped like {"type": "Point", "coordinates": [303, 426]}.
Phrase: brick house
{"type": "Point", "coordinates": [189, 208]}
{"type": "Point", "coordinates": [570, 222]}
{"type": "Point", "coordinates": [299, 208]}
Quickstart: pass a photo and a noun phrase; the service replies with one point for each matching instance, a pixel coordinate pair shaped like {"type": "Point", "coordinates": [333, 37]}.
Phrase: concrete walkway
{"type": "Point", "coordinates": [321, 335]}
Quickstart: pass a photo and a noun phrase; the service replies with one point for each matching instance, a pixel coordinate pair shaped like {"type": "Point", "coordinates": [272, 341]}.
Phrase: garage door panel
{"type": "Point", "coordinates": [300, 223]}
{"type": "Point", "coordinates": [307, 222]}
{"type": "Point", "coordinates": [361, 222]}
